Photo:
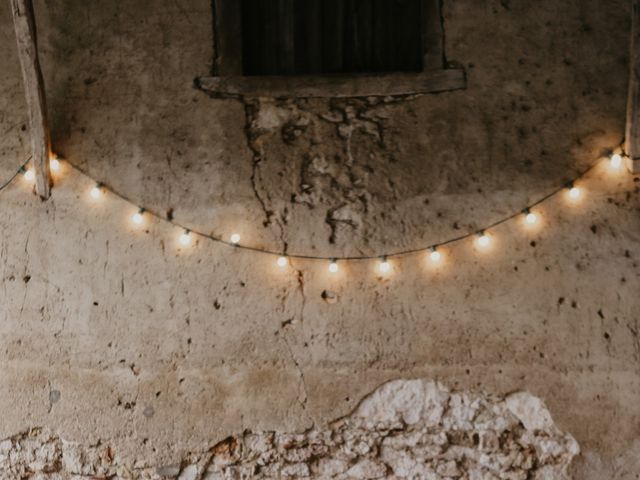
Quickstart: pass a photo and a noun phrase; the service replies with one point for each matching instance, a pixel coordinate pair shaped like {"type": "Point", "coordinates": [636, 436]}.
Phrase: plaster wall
{"type": "Point", "coordinates": [116, 336]}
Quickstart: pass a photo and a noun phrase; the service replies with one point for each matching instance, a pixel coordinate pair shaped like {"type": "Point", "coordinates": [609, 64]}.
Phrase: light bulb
{"type": "Point", "coordinates": [282, 261]}
{"type": "Point", "coordinates": [435, 256]}
{"type": "Point", "coordinates": [29, 175]}
{"type": "Point", "coordinates": [333, 267]}
{"type": "Point", "coordinates": [384, 266]}
{"type": "Point", "coordinates": [235, 238]}
{"type": "Point", "coordinates": [483, 241]}
{"type": "Point", "coordinates": [530, 218]}
{"type": "Point", "coordinates": [54, 165]}
{"type": "Point", "coordinates": [185, 238]}
{"type": "Point", "coordinates": [616, 161]}
{"type": "Point", "coordinates": [96, 192]}
{"type": "Point", "coordinates": [574, 193]}
{"type": "Point", "coordinates": [137, 218]}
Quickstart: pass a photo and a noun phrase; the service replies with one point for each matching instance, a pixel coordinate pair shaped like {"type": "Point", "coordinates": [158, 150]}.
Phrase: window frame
{"type": "Point", "coordinates": [228, 80]}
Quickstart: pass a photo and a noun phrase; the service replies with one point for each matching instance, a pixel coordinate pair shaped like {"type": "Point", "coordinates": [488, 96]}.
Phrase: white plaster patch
{"type": "Point", "coordinates": [416, 429]}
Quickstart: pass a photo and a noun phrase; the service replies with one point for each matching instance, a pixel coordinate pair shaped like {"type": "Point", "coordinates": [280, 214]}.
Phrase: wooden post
{"type": "Point", "coordinates": [25, 27]}
{"type": "Point", "coordinates": [632, 134]}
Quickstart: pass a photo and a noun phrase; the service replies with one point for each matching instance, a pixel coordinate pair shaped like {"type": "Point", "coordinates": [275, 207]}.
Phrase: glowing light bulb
{"type": "Point", "coordinates": [54, 165]}
{"type": "Point", "coordinates": [96, 192]}
{"type": "Point", "coordinates": [435, 256]}
{"type": "Point", "coordinates": [616, 161]}
{"type": "Point", "coordinates": [483, 240]}
{"type": "Point", "coordinates": [282, 261]}
{"type": "Point", "coordinates": [530, 218]}
{"type": "Point", "coordinates": [235, 238]}
{"type": "Point", "coordinates": [185, 238]}
{"type": "Point", "coordinates": [574, 193]}
{"type": "Point", "coordinates": [29, 175]}
{"type": "Point", "coordinates": [137, 217]}
{"type": "Point", "coordinates": [384, 266]}
{"type": "Point", "coordinates": [333, 267]}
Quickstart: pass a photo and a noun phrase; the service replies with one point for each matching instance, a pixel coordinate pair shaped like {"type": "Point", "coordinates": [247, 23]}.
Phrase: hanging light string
{"type": "Point", "coordinates": [283, 258]}
{"type": "Point", "coordinates": [22, 169]}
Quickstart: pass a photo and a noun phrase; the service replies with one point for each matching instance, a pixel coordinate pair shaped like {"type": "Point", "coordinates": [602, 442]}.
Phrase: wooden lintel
{"type": "Point", "coordinates": [334, 85]}
{"type": "Point", "coordinates": [25, 28]}
{"type": "Point", "coordinates": [632, 133]}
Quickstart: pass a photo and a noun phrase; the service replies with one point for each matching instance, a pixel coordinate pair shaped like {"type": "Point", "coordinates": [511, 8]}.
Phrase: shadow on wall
{"type": "Point", "coordinates": [404, 429]}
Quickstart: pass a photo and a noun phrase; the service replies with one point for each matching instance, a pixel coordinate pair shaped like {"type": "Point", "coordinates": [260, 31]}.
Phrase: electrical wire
{"type": "Point", "coordinates": [20, 170]}
{"type": "Point", "coordinates": [302, 256]}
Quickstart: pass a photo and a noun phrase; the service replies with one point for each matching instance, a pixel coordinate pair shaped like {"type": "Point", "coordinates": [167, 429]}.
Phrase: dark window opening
{"type": "Point", "coordinates": [301, 37]}
{"type": "Point", "coordinates": [329, 49]}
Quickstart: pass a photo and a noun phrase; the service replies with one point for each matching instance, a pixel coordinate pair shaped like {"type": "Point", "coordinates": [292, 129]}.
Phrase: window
{"type": "Point", "coordinates": [316, 48]}
{"type": "Point", "coordinates": [318, 36]}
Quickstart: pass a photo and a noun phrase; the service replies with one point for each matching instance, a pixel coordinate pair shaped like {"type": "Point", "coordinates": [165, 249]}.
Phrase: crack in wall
{"type": "Point", "coordinates": [331, 176]}
{"type": "Point", "coordinates": [303, 395]}
{"type": "Point", "coordinates": [258, 157]}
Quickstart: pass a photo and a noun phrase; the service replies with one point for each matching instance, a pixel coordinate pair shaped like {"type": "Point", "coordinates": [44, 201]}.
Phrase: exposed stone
{"type": "Point", "coordinates": [404, 429]}
{"type": "Point", "coordinates": [169, 471]}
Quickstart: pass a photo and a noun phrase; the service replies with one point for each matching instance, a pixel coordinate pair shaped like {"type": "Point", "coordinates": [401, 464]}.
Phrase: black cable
{"type": "Point", "coordinates": [18, 172]}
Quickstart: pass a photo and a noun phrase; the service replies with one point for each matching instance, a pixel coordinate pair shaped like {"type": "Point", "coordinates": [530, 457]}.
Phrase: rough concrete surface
{"type": "Point", "coordinates": [115, 336]}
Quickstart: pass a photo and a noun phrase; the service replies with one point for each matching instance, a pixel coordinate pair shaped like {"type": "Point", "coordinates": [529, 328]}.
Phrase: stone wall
{"type": "Point", "coordinates": [405, 429]}
{"type": "Point", "coordinates": [116, 337]}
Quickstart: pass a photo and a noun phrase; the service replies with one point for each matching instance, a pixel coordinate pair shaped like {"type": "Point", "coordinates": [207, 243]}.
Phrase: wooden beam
{"type": "Point", "coordinates": [25, 27]}
{"type": "Point", "coordinates": [632, 133]}
{"type": "Point", "coordinates": [334, 85]}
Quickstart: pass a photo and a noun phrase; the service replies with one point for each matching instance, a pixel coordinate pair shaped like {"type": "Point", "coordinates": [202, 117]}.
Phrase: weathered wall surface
{"type": "Point", "coordinates": [112, 336]}
{"type": "Point", "coordinates": [406, 429]}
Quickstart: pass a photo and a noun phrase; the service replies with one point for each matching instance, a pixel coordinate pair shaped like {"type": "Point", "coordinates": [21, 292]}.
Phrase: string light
{"type": "Point", "coordinates": [96, 191]}
{"type": "Point", "coordinates": [483, 240]}
{"type": "Point", "coordinates": [384, 266]}
{"type": "Point", "coordinates": [529, 217]}
{"type": "Point", "coordinates": [185, 238]}
{"type": "Point", "coordinates": [616, 161]}
{"type": "Point", "coordinates": [574, 192]}
{"type": "Point", "coordinates": [138, 217]}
